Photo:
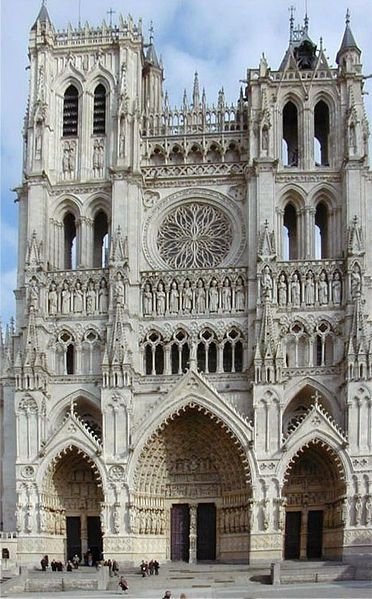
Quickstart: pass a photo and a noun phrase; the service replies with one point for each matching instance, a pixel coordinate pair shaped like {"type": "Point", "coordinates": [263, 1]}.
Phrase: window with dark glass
{"type": "Point", "coordinates": [99, 112]}
{"type": "Point", "coordinates": [70, 112]}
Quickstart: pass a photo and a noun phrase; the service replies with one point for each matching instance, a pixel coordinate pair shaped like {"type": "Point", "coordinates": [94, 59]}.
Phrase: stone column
{"type": "Point", "coordinates": [193, 536]}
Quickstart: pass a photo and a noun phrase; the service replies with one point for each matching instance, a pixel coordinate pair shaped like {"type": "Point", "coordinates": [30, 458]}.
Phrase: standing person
{"type": "Point", "coordinates": [151, 567]}
{"type": "Point", "coordinates": [143, 568]}
{"type": "Point", "coordinates": [43, 564]}
{"type": "Point", "coordinates": [115, 567]}
{"type": "Point", "coordinates": [123, 584]}
{"type": "Point", "coordinates": [156, 567]}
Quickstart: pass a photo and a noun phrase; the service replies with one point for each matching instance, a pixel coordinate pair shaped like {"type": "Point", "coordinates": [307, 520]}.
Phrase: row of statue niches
{"type": "Point", "coordinates": [198, 297]}
{"type": "Point", "coordinates": [77, 298]}
{"type": "Point", "coordinates": [308, 290]}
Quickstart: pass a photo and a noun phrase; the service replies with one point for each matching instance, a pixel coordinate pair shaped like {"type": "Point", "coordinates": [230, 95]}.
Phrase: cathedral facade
{"type": "Point", "coordinates": [190, 372]}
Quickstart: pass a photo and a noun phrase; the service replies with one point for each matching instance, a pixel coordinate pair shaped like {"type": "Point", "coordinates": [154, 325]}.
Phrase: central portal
{"type": "Point", "coordinates": [192, 473]}
{"type": "Point", "coordinates": [205, 532]}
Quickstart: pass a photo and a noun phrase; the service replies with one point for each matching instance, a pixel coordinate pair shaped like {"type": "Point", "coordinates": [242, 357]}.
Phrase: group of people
{"type": "Point", "coordinates": [113, 566]}
{"type": "Point", "coordinates": [149, 568]}
{"type": "Point", "coordinates": [56, 566]}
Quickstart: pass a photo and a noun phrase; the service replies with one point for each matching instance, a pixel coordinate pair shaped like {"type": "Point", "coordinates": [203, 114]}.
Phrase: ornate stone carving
{"type": "Point", "coordinates": [194, 236]}
{"type": "Point", "coordinates": [116, 473]}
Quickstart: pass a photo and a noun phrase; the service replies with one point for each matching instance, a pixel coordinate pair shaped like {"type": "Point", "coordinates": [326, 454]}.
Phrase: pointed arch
{"type": "Point", "coordinates": [203, 400]}
{"type": "Point", "coordinates": [63, 447]}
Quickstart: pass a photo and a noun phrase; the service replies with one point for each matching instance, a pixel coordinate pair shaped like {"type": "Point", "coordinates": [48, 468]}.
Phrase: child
{"type": "Point", "coordinates": [123, 584]}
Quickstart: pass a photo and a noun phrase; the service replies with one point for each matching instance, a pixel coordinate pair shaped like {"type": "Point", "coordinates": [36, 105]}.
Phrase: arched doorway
{"type": "Point", "coordinates": [192, 491]}
{"type": "Point", "coordinates": [315, 495]}
{"type": "Point", "coordinates": [72, 496]}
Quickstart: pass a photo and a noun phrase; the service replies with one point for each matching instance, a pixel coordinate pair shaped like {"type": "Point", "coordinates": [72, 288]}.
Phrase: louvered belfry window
{"type": "Point", "coordinates": [99, 115]}
{"type": "Point", "coordinates": [70, 112]}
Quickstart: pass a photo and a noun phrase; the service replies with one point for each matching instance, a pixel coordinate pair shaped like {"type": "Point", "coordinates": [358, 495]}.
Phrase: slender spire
{"type": "Point", "coordinates": [196, 92]}
{"type": "Point", "coordinates": [43, 16]}
{"type": "Point", "coordinates": [306, 19]}
{"type": "Point", "coordinates": [151, 56]}
{"type": "Point", "coordinates": [348, 41]}
{"type": "Point", "coordinates": [291, 23]}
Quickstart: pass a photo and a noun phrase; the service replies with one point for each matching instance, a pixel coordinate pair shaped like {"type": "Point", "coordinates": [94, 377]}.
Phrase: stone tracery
{"type": "Point", "coordinates": [194, 236]}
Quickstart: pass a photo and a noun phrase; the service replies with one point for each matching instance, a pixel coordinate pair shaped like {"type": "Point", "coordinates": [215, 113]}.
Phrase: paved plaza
{"type": "Point", "coordinates": [337, 590]}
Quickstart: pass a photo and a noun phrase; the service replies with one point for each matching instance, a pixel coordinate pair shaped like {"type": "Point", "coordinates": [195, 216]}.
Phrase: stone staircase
{"type": "Point", "coordinates": [315, 571]}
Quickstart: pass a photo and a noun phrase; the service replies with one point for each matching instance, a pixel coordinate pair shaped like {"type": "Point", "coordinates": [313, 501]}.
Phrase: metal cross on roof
{"type": "Point", "coordinates": [111, 12]}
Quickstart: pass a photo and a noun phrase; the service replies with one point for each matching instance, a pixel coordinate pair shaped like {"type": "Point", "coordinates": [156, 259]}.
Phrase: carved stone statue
{"type": "Point", "coordinates": [65, 298]}
{"type": "Point", "coordinates": [187, 297]}
{"type": "Point", "coordinates": [52, 299]}
{"type": "Point", "coordinates": [323, 289]}
{"type": "Point", "coordinates": [78, 297]}
{"type": "Point", "coordinates": [213, 296]}
{"type": "Point", "coordinates": [160, 300]}
{"type": "Point", "coordinates": [91, 298]}
{"type": "Point", "coordinates": [358, 509]}
{"type": "Point", "coordinates": [103, 297]}
{"type": "Point", "coordinates": [226, 296]}
{"type": "Point", "coordinates": [200, 297]}
{"type": "Point", "coordinates": [266, 283]}
{"type": "Point", "coordinates": [239, 295]}
{"type": "Point", "coordinates": [173, 298]}
{"type": "Point", "coordinates": [295, 290]}
{"type": "Point", "coordinates": [119, 290]}
{"type": "Point", "coordinates": [34, 295]}
{"type": "Point", "coordinates": [282, 291]}
{"type": "Point", "coordinates": [356, 281]}
{"type": "Point", "coordinates": [147, 300]}
{"type": "Point", "coordinates": [309, 289]}
{"type": "Point", "coordinates": [336, 289]}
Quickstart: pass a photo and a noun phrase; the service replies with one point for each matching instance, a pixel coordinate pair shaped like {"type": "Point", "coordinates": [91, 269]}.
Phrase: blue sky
{"type": "Point", "coordinates": [220, 39]}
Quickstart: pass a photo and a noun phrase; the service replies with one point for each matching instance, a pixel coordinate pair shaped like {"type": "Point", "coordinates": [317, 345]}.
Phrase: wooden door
{"type": "Point", "coordinates": [73, 532]}
{"type": "Point", "coordinates": [206, 527]}
{"type": "Point", "coordinates": [180, 530]}
{"type": "Point", "coordinates": [292, 535]}
{"type": "Point", "coordinates": [94, 537]}
{"type": "Point", "coordinates": [314, 534]}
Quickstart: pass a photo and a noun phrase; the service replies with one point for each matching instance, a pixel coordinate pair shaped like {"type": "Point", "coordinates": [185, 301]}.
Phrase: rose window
{"type": "Point", "coordinates": [194, 236]}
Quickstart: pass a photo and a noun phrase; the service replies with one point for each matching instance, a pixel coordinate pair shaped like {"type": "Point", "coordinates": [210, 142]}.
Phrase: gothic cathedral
{"type": "Point", "coordinates": [189, 375]}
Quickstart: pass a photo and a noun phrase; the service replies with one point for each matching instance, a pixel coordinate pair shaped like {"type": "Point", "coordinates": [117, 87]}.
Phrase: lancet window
{"type": "Point", "coordinates": [323, 349]}
{"type": "Point", "coordinates": [321, 231]}
{"type": "Point", "coordinates": [290, 135]}
{"type": "Point", "coordinates": [180, 353]}
{"type": "Point", "coordinates": [70, 112]}
{"type": "Point", "coordinates": [290, 233]}
{"type": "Point", "coordinates": [99, 110]}
{"type": "Point", "coordinates": [321, 134]}
{"type": "Point", "coordinates": [297, 347]}
{"type": "Point", "coordinates": [206, 353]}
{"type": "Point", "coordinates": [91, 353]}
{"type": "Point", "coordinates": [154, 353]}
{"type": "Point", "coordinates": [70, 242]}
{"type": "Point", "coordinates": [100, 240]}
{"type": "Point", "coordinates": [65, 354]}
{"type": "Point", "coordinates": [233, 352]}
